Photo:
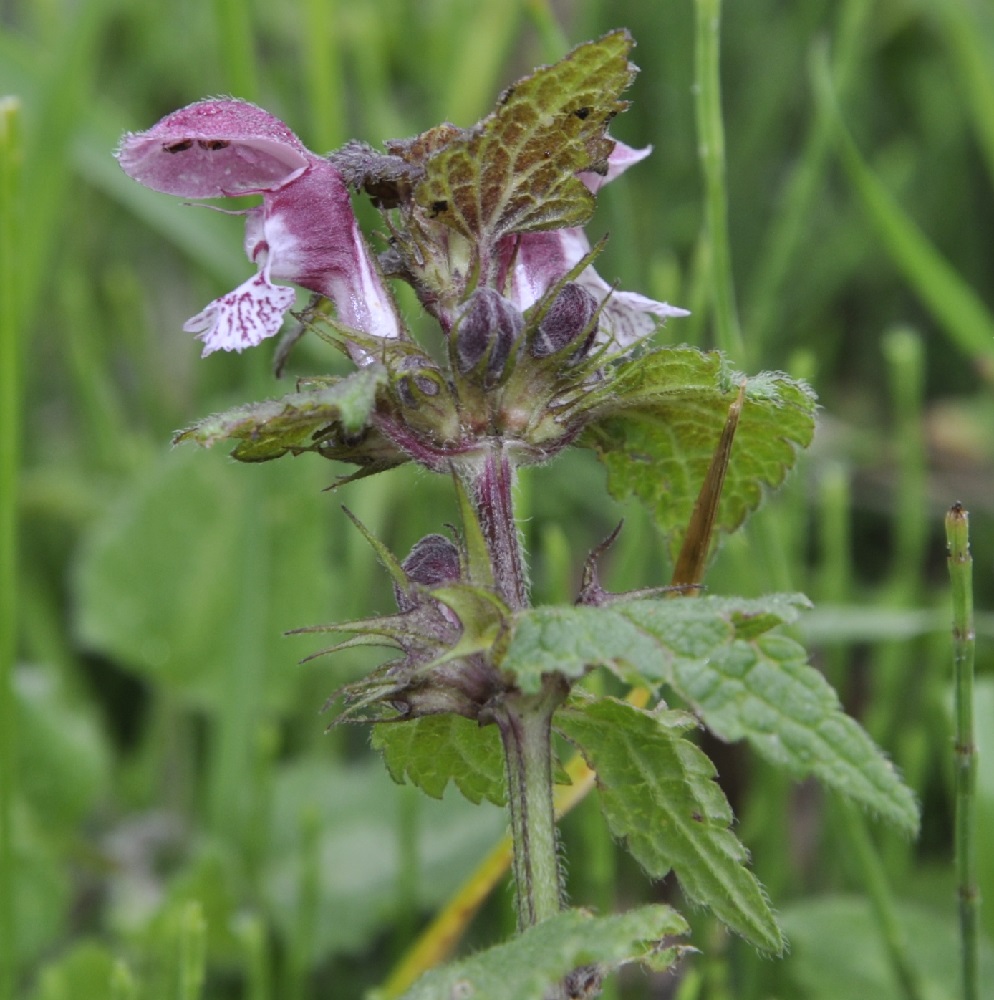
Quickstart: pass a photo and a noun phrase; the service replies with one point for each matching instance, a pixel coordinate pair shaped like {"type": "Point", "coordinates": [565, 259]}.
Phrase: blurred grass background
{"type": "Point", "coordinates": [175, 821]}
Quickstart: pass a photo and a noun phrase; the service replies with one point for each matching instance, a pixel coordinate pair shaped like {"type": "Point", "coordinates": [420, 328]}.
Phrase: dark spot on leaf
{"type": "Point", "coordinates": [582, 113]}
{"type": "Point", "coordinates": [697, 817]}
{"type": "Point", "coordinates": [178, 147]}
{"type": "Point", "coordinates": [506, 96]}
{"type": "Point", "coordinates": [213, 144]}
{"type": "Point", "coordinates": [437, 207]}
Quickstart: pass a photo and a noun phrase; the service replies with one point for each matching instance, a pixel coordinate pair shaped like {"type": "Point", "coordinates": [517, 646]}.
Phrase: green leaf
{"type": "Point", "coordinates": [163, 581]}
{"type": "Point", "coordinates": [718, 655]}
{"type": "Point", "coordinates": [86, 970]}
{"type": "Point", "coordinates": [64, 761]}
{"type": "Point", "coordinates": [330, 416]}
{"type": "Point", "coordinates": [658, 430]}
{"type": "Point", "coordinates": [838, 950]}
{"type": "Point", "coordinates": [338, 852]}
{"type": "Point", "coordinates": [516, 170]}
{"type": "Point", "coordinates": [525, 967]}
{"type": "Point", "coordinates": [658, 794]}
{"type": "Point", "coordinates": [434, 750]}
{"type": "Point", "coordinates": [571, 640]}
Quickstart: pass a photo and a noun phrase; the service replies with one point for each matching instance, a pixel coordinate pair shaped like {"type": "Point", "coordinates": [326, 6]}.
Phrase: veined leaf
{"type": "Point", "coordinates": [434, 750]}
{"type": "Point", "coordinates": [658, 794]}
{"type": "Point", "coordinates": [571, 640]}
{"type": "Point", "coordinates": [516, 170]}
{"type": "Point", "coordinates": [718, 655]}
{"type": "Point", "coordinates": [301, 421]}
{"type": "Point", "coordinates": [657, 434]}
{"type": "Point", "coordinates": [526, 966]}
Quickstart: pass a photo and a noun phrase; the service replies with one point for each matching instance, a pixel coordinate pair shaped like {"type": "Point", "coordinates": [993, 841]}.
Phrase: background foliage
{"type": "Point", "coordinates": [171, 801]}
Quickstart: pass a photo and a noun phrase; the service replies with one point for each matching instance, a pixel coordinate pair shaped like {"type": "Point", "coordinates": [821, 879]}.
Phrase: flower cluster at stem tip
{"type": "Point", "coordinates": [528, 323]}
{"type": "Point", "coordinates": [306, 232]}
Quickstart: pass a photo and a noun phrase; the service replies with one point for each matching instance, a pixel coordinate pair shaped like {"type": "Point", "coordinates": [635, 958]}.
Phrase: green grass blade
{"type": "Point", "coordinates": [11, 152]}
{"type": "Point", "coordinates": [192, 952]}
{"type": "Point", "coordinates": [553, 39]}
{"type": "Point", "coordinates": [955, 306]}
{"type": "Point", "coordinates": [62, 95]}
{"type": "Point", "coordinates": [872, 876]}
{"type": "Point", "coordinates": [475, 74]}
{"type": "Point", "coordinates": [711, 139]}
{"type": "Point", "coordinates": [789, 227]}
{"type": "Point", "coordinates": [323, 72]}
{"type": "Point", "coordinates": [971, 43]}
{"type": "Point", "coordinates": [233, 20]}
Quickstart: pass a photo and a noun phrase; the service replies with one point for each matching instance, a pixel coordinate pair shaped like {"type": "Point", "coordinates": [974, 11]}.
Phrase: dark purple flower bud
{"type": "Point", "coordinates": [433, 561]}
{"type": "Point", "coordinates": [488, 328]}
{"type": "Point", "coordinates": [570, 320]}
{"type": "Point", "coordinates": [533, 262]}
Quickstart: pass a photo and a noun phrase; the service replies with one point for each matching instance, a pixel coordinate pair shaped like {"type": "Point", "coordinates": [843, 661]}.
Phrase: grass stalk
{"type": "Point", "coordinates": [711, 149]}
{"type": "Point", "coordinates": [192, 952]}
{"type": "Point", "coordinates": [11, 152]}
{"type": "Point", "coordinates": [478, 61]}
{"type": "Point", "coordinates": [323, 70]}
{"type": "Point", "coordinates": [236, 48]}
{"type": "Point", "coordinates": [788, 229]}
{"type": "Point", "coordinates": [237, 719]}
{"type": "Point", "coordinates": [905, 354]}
{"type": "Point", "coordinates": [554, 43]}
{"type": "Point", "coordinates": [956, 307]}
{"type": "Point", "coordinates": [251, 933]}
{"type": "Point", "coordinates": [969, 46]}
{"type": "Point", "coordinates": [122, 983]}
{"type": "Point", "coordinates": [895, 700]}
{"type": "Point", "coordinates": [873, 878]}
{"type": "Point", "coordinates": [965, 748]}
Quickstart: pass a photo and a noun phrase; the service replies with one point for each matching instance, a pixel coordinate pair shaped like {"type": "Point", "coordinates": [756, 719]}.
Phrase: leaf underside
{"type": "Point", "coordinates": [744, 681]}
{"type": "Point", "coordinates": [658, 794]}
{"type": "Point", "coordinates": [528, 965]}
{"type": "Point", "coordinates": [332, 416]}
{"type": "Point", "coordinates": [657, 434]}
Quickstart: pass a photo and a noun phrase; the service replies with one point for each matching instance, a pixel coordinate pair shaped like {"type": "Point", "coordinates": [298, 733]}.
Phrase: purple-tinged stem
{"type": "Point", "coordinates": [492, 498]}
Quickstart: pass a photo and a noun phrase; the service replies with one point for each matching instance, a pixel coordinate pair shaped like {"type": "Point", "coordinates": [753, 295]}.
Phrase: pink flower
{"type": "Point", "coordinates": [305, 230]}
{"type": "Point", "coordinates": [542, 259]}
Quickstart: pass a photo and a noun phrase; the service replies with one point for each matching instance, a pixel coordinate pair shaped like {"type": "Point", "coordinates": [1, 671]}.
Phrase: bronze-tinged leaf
{"type": "Point", "coordinates": [417, 150]}
{"type": "Point", "coordinates": [516, 171]}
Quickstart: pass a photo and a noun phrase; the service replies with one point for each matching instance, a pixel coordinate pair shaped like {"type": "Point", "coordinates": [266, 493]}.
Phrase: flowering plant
{"type": "Point", "coordinates": [535, 352]}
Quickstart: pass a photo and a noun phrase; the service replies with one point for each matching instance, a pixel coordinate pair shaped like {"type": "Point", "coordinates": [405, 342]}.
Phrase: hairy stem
{"type": "Point", "coordinates": [525, 724]}
{"type": "Point", "coordinates": [494, 503]}
{"type": "Point", "coordinates": [525, 721]}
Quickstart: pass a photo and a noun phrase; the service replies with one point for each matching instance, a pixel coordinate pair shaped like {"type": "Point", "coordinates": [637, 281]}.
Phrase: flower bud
{"type": "Point", "coordinates": [488, 328]}
{"type": "Point", "coordinates": [570, 320]}
{"type": "Point", "coordinates": [433, 560]}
